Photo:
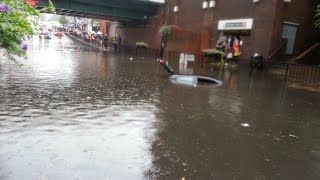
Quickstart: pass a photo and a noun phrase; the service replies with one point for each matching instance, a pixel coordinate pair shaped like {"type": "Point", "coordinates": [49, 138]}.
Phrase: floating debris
{"type": "Point", "coordinates": [184, 164]}
{"type": "Point", "coordinates": [277, 139]}
{"type": "Point", "coordinates": [245, 125]}
{"type": "Point", "coordinates": [292, 135]}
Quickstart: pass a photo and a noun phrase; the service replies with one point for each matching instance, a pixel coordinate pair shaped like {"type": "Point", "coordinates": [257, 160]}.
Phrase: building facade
{"type": "Point", "coordinates": [262, 26]}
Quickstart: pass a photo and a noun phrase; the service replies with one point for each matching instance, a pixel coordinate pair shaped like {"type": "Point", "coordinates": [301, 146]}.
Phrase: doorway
{"type": "Point", "coordinates": [289, 32]}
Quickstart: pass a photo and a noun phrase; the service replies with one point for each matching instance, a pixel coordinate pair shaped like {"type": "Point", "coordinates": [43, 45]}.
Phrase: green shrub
{"type": "Point", "coordinates": [142, 45]}
{"type": "Point", "coordinates": [212, 52]}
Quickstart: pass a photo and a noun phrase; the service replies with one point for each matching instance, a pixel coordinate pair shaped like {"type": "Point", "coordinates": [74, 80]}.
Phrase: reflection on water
{"type": "Point", "coordinates": [74, 113]}
{"type": "Point", "coordinates": [82, 141]}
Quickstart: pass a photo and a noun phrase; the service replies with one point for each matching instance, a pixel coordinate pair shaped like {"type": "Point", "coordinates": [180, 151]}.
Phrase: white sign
{"type": "Point", "coordinates": [235, 24]}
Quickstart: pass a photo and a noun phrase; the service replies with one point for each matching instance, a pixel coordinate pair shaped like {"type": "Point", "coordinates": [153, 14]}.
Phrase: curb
{"type": "Point", "coordinates": [88, 44]}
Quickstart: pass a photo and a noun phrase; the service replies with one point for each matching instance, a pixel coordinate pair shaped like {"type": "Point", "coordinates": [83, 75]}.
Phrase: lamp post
{"type": "Point", "coordinates": [162, 46]}
{"type": "Point", "coordinates": [163, 37]}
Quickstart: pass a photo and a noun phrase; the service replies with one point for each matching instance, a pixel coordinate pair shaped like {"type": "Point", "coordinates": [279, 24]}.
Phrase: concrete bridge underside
{"type": "Point", "coordinates": [120, 10]}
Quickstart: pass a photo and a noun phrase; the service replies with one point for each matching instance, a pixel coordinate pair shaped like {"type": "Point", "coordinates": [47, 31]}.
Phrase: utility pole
{"type": "Point", "coordinates": [163, 40]}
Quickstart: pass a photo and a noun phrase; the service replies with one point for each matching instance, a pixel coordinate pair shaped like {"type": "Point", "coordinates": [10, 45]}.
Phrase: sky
{"type": "Point", "coordinates": [160, 1]}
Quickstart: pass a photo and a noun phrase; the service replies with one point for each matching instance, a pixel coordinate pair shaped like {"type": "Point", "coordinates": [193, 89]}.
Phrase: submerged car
{"type": "Point", "coordinates": [190, 80]}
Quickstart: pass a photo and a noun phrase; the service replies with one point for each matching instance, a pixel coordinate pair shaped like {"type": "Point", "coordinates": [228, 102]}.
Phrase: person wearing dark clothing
{"type": "Point", "coordinates": [119, 39]}
{"type": "Point", "coordinates": [115, 44]}
{"type": "Point", "coordinates": [105, 40]}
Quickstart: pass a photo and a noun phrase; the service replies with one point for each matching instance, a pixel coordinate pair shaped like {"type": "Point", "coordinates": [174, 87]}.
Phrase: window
{"type": "Point", "coordinates": [208, 3]}
{"type": "Point", "coordinates": [212, 4]}
{"type": "Point", "coordinates": [204, 4]}
{"type": "Point", "coordinates": [176, 8]}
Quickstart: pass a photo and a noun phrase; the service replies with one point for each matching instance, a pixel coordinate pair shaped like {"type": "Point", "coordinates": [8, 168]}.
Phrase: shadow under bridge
{"type": "Point", "coordinates": [120, 10]}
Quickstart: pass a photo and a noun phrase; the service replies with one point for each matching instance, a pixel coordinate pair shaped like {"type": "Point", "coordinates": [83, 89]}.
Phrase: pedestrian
{"type": "Point", "coordinates": [99, 38]}
{"type": "Point", "coordinates": [88, 37]}
{"type": "Point", "coordinates": [115, 44]}
{"type": "Point", "coordinates": [236, 46]}
{"type": "Point", "coordinates": [119, 40]}
{"type": "Point", "coordinates": [105, 40]}
{"type": "Point", "coordinates": [219, 45]}
{"type": "Point", "coordinates": [93, 38]}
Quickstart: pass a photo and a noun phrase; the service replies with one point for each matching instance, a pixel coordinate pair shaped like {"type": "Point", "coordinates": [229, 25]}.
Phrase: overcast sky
{"type": "Point", "coordinates": [162, 1]}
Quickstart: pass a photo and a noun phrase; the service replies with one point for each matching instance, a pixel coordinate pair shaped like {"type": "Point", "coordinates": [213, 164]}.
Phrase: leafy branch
{"type": "Point", "coordinates": [317, 16]}
{"type": "Point", "coordinates": [16, 24]}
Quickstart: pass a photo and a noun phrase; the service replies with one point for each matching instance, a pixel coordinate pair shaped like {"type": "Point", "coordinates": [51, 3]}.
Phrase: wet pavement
{"type": "Point", "coordinates": [73, 113]}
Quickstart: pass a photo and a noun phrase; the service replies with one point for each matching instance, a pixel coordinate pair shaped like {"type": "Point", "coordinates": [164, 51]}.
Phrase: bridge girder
{"type": "Point", "coordinates": [122, 10]}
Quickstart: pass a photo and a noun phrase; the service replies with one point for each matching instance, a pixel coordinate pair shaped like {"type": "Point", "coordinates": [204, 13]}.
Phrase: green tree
{"type": "Point", "coordinates": [16, 24]}
{"type": "Point", "coordinates": [63, 20]}
{"type": "Point", "coordinates": [317, 16]}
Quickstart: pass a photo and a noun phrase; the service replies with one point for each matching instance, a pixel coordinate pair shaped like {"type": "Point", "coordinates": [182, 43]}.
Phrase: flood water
{"type": "Point", "coordinates": [73, 113]}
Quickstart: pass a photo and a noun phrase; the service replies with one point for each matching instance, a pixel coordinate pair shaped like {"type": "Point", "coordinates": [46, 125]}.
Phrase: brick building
{"type": "Point", "coordinates": [262, 25]}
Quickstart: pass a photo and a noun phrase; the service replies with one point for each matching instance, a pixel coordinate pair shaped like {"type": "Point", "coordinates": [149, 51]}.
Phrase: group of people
{"type": "Point", "coordinates": [230, 45]}
{"type": "Point", "coordinates": [101, 40]}
{"type": "Point", "coordinates": [87, 36]}
{"type": "Point", "coordinates": [116, 41]}
{"type": "Point", "coordinates": [95, 38]}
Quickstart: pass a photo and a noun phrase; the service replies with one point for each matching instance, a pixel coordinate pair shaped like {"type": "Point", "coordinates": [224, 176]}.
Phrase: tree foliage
{"type": "Point", "coordinates": [16, 24]}
{"type": "Point", "coordinates": [317, 16]}
{"type": "Point", "coordinates": [63, 20]}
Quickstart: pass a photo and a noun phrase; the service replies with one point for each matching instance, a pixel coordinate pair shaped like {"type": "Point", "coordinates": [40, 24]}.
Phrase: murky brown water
{"type": "Point", "coordinates": [73, 113]}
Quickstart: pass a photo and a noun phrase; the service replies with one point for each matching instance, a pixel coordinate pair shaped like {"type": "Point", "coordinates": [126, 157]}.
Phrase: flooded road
{"type": "Point", "coordinates": [74, 113]}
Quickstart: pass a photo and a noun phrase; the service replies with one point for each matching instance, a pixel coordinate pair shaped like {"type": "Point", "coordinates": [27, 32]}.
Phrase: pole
{"type": "Point", "coordinates": [162, 47]}
{"type": "Point", "coordinates": [75, 23]}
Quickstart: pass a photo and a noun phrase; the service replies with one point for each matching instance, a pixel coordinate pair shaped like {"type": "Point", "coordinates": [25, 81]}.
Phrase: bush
{"type": "Point", "coordinates": [142, 45]}
{"type": "Point", "coordinates": [212, 53]}
{"type": "Point", "coordinates": [165, 30]}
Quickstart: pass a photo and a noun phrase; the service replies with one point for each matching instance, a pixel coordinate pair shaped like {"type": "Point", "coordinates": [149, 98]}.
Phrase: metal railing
{"type": "Point", "coordinates": [313, 47]}
{"type": "Point", "coordinates": [120, 49]}
{"type": "Point", "coordinates": [304, 75]}
{"type": "Point", "coordinates": [278, 52]}
{"type": "Point", "coordinates": [300, 74]}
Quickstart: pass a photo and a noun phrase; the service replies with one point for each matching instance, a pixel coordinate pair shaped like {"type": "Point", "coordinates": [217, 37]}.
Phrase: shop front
{"type": "Point", "coordinates": [232, 35]}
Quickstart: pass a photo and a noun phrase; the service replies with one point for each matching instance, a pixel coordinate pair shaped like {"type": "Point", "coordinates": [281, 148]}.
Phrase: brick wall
{"type": "Point", "coordinates": [201, 24]}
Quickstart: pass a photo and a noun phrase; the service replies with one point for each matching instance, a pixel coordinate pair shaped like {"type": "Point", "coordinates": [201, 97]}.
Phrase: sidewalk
{"type": "Point", "coordinates": [86, 43]}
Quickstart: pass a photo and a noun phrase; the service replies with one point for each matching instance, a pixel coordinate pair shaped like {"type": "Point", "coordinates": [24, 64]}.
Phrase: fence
{"type": "Point", "coordinates": [119, 49]}
{"type": "Point", "coordinates": [304, 75]}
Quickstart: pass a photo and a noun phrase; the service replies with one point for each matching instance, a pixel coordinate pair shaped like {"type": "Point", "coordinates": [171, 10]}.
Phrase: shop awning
{"type": "Point", "coordinates": [235, 24]}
